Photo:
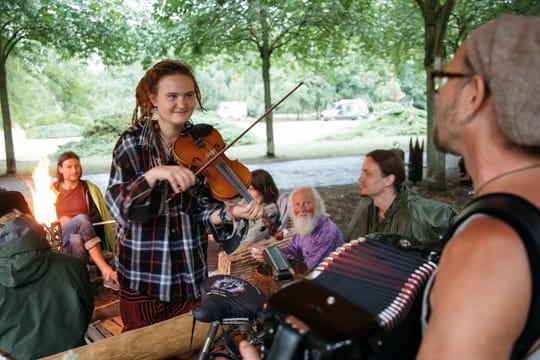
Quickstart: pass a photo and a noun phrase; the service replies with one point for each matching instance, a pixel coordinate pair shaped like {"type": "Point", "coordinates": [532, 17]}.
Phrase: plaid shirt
{"type": "Point", "coordinates": [161, 246]}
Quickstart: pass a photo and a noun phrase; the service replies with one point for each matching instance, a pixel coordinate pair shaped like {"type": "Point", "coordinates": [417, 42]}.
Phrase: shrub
{"type": "Point", "coordinates": [100, 138]}
{"type": "Point", "coordinates": [59, 130]}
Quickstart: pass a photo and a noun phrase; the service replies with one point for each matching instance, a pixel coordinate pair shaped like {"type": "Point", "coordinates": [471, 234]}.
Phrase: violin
{"type": "Point", "coordinates": [201, 148]}
{"type": "Point", "coordinates": [226, 178]}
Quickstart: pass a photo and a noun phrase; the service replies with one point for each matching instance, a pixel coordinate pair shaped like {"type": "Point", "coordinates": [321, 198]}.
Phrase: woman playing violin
{"type": "Point", "coordinates": [164, 211]}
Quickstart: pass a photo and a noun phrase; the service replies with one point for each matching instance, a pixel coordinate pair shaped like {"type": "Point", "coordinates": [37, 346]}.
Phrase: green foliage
{"type": "Point", "coordinates": [70, 26]}
{"type": "Point", "coordinates": [27, 86]}
{"type": "Point", "coordinates": [344, 49]}
{"type": "Point", "coordinates": [108, 125]}
{"type": "Point", "coordinates": [58, 130]}
{"type": "Point", "coordinates": [395, 119]}
{"type": "Point", "coordinates": [269, 27]}
{"type": "Point", "coordinates": [388, 119]}
{"type": "Point", "coordinates": [97, 145]}
{"type": "Point", "coordinates": [99, 138]}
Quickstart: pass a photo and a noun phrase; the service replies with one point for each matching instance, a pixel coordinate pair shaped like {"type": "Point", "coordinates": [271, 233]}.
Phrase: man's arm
{"type": "Point", "coordinates": [322, 244]}
{"type": "Point", "coordinates": [481, 296]}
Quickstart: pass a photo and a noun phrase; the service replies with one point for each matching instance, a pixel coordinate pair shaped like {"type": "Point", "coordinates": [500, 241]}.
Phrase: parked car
{"type": "Point", "coordinates": [347, 109]}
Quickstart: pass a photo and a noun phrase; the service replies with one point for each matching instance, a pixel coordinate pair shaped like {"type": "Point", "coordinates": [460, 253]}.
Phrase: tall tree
{"type": "Point", "coordinates": [456, 19]}
{"type": "Point", "coordinates": [73, 27]}
{"type": "Point", "coordinates": [269, 28]}
{"type": "Point", "coordinates": [443, 26]}
{"type": "Point", "coordinates": [436, 16]}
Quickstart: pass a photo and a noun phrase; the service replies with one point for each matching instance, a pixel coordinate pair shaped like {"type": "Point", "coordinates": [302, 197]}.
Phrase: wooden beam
{"type": "Point", "coordinates": [159, 341]}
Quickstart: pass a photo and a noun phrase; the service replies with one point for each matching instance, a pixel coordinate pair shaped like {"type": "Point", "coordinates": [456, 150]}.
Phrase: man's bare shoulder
{"type": "Point", "coordinates": [482, 234]}
{"type": "Point", "coordinates": [483, 272]}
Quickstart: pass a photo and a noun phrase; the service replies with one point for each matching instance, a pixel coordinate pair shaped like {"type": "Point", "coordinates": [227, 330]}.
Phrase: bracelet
{"type": "Point", "coordinates": [223, 216]}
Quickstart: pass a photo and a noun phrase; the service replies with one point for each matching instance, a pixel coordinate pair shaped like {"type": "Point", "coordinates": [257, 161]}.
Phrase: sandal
{"type": "Point", "coordinates": [110, 282]}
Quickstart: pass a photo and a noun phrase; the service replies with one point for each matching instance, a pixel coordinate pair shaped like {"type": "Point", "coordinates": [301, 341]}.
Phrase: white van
{"type": "Point", "coordinates": [347, 109]}
{"type": "Point", "coordinates": [232, 110]}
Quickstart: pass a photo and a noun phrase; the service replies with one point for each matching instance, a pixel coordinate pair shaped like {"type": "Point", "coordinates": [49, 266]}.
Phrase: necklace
{"type": "Point", "coordinates": [528, 167]}
{"type": "Point", "coordinates": [166, 145]}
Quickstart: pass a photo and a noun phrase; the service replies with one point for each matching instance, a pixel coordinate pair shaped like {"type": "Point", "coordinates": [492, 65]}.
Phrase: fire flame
{"type": "Point", "coordinates": [43, 197]}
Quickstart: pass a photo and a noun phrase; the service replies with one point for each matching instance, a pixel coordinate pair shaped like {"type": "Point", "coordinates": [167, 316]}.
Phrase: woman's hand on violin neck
{"type": "Point", "coordinates": [251, 211]}
{"type": "Point", "coordinates": [179, 178]}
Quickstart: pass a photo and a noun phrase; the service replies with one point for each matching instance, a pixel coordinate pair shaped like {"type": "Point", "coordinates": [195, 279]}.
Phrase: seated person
{"type": "Point", "coordinates": [46, 301]}
{"type": "Point", "coordinates": [79, 204]}
{"type": "Point", "coordinates": [316, 236]}
{"type": "Point", "coordinates": [391, 207]}
{"type": "Point", "coordinates": [284, 218]}
{"type": "Point", "coordinates": [13, 200]}
{"type": "Point", "coordinates": [264, 191]}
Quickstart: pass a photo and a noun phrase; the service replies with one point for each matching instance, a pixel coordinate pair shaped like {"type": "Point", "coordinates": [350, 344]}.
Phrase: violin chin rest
{"type": "Point", "coordinates": [198, 131]}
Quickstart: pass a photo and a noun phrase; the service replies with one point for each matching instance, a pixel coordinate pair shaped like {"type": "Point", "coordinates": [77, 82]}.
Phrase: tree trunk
{"type": "Point", "coordinates": [435, 25]}
{"type": "Point", "coordinates": [266, 52]}
{"type": "Point", "coordinates": [268, 104]}
{"type": "Point", "coordinates": [11, 167]}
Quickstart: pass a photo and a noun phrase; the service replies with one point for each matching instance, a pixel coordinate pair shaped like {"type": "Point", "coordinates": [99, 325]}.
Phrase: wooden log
{"type": "Point", "coordinates": [159, 341]}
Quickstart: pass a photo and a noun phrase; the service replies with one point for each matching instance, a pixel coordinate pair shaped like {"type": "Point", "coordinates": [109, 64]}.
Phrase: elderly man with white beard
{"type": "Point", "coordinates": [316, 236]}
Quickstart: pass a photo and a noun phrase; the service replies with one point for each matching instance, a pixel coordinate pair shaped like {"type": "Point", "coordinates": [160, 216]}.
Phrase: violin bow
{"type": "Point", "coordinates": [219, 153]}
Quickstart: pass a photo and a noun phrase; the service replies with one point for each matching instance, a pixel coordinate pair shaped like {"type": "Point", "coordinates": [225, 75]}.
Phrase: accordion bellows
{"type": "Point", "coordinates": [380, 279]}
{"type": "Point", "coordinates": [363, 286]}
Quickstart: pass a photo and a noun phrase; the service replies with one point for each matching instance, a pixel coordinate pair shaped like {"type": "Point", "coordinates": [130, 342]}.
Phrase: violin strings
{"type": "Point", "coordinates": [229, 174]}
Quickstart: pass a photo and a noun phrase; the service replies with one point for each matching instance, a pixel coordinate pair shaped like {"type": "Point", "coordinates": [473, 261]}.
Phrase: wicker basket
{"type": "Point", "coordinates": [240, 263]}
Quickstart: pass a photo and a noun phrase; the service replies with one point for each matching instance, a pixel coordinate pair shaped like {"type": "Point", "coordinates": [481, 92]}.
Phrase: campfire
{"type": "Point", "coordinates": [44, 198]}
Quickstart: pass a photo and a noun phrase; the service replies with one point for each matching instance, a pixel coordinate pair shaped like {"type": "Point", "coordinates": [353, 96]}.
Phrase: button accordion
{"type": "Point", "coordinates": [361, 302]}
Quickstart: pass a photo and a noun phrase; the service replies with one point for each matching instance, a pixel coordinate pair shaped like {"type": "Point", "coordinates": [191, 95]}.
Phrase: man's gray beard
{"type": "Point", "coordinates": [305, 225]}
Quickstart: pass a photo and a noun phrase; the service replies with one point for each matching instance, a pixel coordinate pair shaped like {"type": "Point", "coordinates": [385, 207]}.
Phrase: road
{"type": "Point", "coordinates": [290, 174]}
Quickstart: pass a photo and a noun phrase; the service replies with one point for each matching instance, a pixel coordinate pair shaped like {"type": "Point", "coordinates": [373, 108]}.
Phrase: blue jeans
{"type": "Point", "coordinates": [79, 236]}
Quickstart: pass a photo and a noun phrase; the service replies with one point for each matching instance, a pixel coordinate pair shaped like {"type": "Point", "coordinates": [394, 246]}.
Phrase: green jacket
{"type": "Point", "coordinates": [409, 215]}
{"type": "Point", "coordinates": [98, 212]}
{"type": "Point", "coordinates": [46, 302]}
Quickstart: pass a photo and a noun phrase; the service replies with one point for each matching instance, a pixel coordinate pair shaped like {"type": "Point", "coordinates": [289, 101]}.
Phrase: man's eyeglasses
{"type": "Point", "coordinates": [440, 78]}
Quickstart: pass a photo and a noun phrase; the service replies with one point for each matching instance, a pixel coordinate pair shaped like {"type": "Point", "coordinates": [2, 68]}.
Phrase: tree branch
{"type": "Point", "coordinates": [17, 36]}
{"type": "Point", "coordinates": [422, 5]}
{"type": "Point", "coordinates": [11, 43]}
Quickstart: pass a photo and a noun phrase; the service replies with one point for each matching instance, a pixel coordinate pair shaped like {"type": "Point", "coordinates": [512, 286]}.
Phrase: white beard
{"type": "Point", "coordinates": [304, 225]}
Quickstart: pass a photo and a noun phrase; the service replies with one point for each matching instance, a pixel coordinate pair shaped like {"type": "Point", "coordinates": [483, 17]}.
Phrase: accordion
{"type": "Point", "coordinates": [360, 302]}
